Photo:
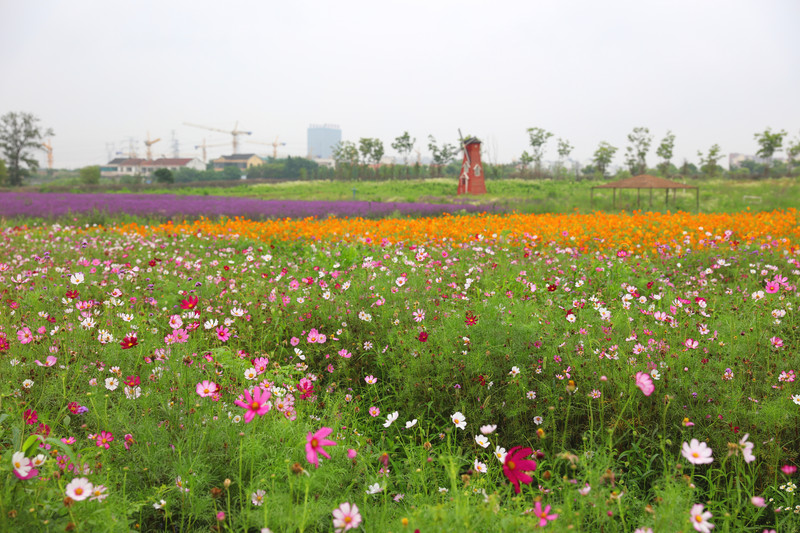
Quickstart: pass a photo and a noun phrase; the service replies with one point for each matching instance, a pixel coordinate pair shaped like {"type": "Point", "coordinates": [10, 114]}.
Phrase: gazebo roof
{"type": "Point", "coordinates": [645, 181]}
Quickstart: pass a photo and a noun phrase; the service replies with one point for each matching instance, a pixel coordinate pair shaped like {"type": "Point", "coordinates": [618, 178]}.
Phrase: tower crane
{"type": "Point", "coordinates": [235, 132]}
{"type": "Point", "coordinates": [274, 145]}
{"type": "Point", "coordinates": [49, 148]}
{"type": "Point", "coordinates": [204, 146]}
{"type": "Point", "coordinates": [148, 143]}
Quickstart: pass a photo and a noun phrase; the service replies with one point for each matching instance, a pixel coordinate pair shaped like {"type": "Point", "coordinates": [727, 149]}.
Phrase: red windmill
{"type": "Point", "coordinates": [471, 179]}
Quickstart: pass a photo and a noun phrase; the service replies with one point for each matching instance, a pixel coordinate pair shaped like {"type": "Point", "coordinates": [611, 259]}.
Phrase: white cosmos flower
{"type": "Point", "coordinates": [390, 418]}
{"type": "Point", "coordinates": [482, 441]}
{"type": "Point", "coordinates": [76, 279]}
{"type": "Point", "coordinates": [411, 423]}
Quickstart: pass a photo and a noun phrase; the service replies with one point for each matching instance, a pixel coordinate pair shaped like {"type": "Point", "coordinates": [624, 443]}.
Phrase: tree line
{"type": "Point", "coordinates": [21, 135]}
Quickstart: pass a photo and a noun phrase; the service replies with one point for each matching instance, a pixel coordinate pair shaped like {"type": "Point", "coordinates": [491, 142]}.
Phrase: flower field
{"type": "Point", "coordinates": [479, 372]}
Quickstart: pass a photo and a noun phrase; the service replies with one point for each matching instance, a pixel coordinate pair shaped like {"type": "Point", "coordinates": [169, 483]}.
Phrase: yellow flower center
{"type": "Point", "coordinates": [255, 405]}
{"type": "Point", "coordinates": [695, 455]}
{"type": "Point", "coordinates": [347, 519]}
{"type": "Point", "coordinates": [314, 443]}
{"type": "Point", "coordinates": [79, 491]}
{"type": "Point", "coordinates": [511, 465]}
{"type": "Point", "coordinates": [698, 518]}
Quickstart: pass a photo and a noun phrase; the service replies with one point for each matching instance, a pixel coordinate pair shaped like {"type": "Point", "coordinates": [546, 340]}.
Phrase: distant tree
{"type": "Point", "coordinates": [230, 173]}
{"type": "Point", "coordinates": [538, 138]}
{"type": "Point", "coordinates": [90, 175]}
{"type": "Point", "coordinates": [3, 172]}
{"type": "Point", "coordinates": [442, 156]}
{"type": "Point", "coordinates": [636, 153]}
{"type": "Point", "coordinates": [793, 150]}
{"type": "Point", "coordinates": [164, 175]}
{"type": "Point", "coordinates": [564, 149]}
{"type": "Point", "coordinates": [371, 150]}
{"type": "Point", "coordinates": [404, 144]}
{"type": "Point", "coordinates": [769, 143]}
{"type": "Point", "coordinates": [603, 157]}
{"type": "Point", "coordinates": [345, 152]}
{"type": "Point", "coordinates": [20, 132]}
{"type": "Point", "coordinates": [664, 151]}
{"type": "Point", "coordinates": [708, 164]}
{"type": "Point", "coordinates": [525, 160]}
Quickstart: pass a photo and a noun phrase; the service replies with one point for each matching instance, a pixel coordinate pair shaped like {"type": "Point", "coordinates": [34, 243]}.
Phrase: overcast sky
{"type": "Point", "coordinates": [101, 72]}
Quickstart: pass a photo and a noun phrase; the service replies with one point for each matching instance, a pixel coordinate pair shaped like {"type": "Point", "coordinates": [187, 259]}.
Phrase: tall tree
{"type": "Point", "coordinates": [164, 175]}
{"type": "Point", "coordinates": [371, 150]}
{"type": "Point", "coordinates": [525, 160]}
{"type": "Point", "coordinates": [3, 172]}
{"type": "Point", "coordinates": [404, 144]}
{"type": "Point", "coordinates": [19, 133]}
{"type": "Point", "coordinates": [708, 164]}
{"type": "Point", "coordinates": [564, 149]}
{"type": "Point", "coordinates": [769, 143]}
{"type": "Point", "coordinates": [636, 153]}
{"type": "Point", "coordinates": [793, 150]}
{"type": "Point", "coordinates": [345, 152]}
{"type": "Point", "coordinates": [664, 151]}
{"type": "Point", "coordinates": [441, 155]}
{"type": "Point", "coordinates": [538, 138]}
{"type": "Point", "coordinates": [603, 157]}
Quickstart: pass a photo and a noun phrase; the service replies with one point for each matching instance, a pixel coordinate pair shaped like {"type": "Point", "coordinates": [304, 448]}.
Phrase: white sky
{"type": "Point", "coordinates": [102, 71]}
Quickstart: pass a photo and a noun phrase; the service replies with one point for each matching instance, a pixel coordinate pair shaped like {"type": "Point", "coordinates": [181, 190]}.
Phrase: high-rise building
{"type": "Point", "coordinates": [321, 140]}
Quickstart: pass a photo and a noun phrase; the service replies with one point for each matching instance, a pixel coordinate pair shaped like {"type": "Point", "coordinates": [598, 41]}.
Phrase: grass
{"type": "Point", "coordinates": [524, 196]}
{"type": "Point", "coordinates": [542, 342]}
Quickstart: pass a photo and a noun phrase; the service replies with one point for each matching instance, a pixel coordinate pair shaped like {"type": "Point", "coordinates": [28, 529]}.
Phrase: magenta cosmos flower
{"type": "Point", "coordinates": [543, 514]}
{"type": "Point", "coordinates": [256, 404]}
{"type": "Point", "coordinates": [515, 465]}
{"type": "Point", "coordinates": [315, 443]}
{"type": "Point", "coordinates": [645, 383]}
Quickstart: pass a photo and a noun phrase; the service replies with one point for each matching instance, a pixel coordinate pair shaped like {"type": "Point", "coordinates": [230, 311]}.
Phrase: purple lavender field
{"type": "Point", "coordinates": [51, 205]}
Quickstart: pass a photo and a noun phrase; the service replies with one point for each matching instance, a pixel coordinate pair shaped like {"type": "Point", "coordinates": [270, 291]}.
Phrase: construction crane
{"type": "Point", "coordinates": [148, 143]}
{"type": "Point", "coordinates": [235, 132]}
{"type": "Point", "coordinates": [274, 145]}
{"type": "Point", "coordinates": [49, 148]}
{"type": "Point", "coordinates": [204, 146]}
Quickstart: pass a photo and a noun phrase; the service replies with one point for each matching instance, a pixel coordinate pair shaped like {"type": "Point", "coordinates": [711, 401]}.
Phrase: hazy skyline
{"type": "Point", "coordinates": [98, 72]}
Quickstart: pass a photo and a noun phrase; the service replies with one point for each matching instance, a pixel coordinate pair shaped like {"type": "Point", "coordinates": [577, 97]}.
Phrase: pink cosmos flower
{"type": "Point", "coordinates": [256, 404]}
{"type": "Point", "coordinates": [515, 465]}
{"type": "Point", "coordinates": [542, 514]}
{"type": "Point", "coordinates": [691, 343]}
{"type": "Point", "coordinates": [79, 489]}
{"type": "Point", "coordinates": [223, 333]}
{"type": "Point", "coordinates": [30, 417]}
{"type": "Point", "coordinates": [374, 411]}
{"type": "Point", "coordinates": [206, 388]}
{"type": "Point", "coordinates": [345, 517]}
{"type": "Point", "coordinates": [315, 443]}
{"type": "Point", "coordinates": [777, 342]}
{"type": "Point", "coordinates": [645, 383]}
{"type": "Point", "coordinates": [772, 287]}
{"type": "Point", "coordinates": [50, 361]}
{"type": "Point", "coordinates": [700, 519]}
{"type": "Point", "coordinates": [104, 439]}
{"type": "Point", "coordinates": [697, 452]}
{"type": "Point", "coordinates": [788, 469]}
{"type": "Point", "coordinates": [24, 335]}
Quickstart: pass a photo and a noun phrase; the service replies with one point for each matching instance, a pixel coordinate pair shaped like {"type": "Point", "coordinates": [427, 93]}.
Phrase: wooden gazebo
{"type": "Point", "coordinates": [645, 181]}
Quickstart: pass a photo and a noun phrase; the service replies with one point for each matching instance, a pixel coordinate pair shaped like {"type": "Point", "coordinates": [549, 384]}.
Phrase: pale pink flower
{"type": "Point", "coordinates": [79, 489]}
{"type": "Point", "coordinates": [345, 517]}
{"type": "Point", "coordinates": [697, 452]}
{"type": "Point", "coordinates": [206, 388]}
{"type": "Point", "coordinates": [700, 519]}
{"type": "Point", "coordinates": [645, 383]}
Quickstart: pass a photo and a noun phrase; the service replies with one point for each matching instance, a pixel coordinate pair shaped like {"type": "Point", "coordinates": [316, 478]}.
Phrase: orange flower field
{"type": "Point", "coordinates": [639, 232]}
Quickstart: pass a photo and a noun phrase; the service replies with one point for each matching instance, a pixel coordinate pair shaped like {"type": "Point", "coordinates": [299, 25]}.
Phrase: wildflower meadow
{"type": "Point", "coordinates": [605, 372]}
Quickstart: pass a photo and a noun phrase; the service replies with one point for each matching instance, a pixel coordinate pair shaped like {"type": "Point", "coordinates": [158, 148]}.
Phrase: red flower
{"type": "Point", "coordinates": [471, 319]}
{"type": "Point", "coordinates": [73, 407]}
{"type": "Point", "coordinates": [423, 336]}
{"type": "Point", "coordinates": [129, 342]}
{"type": "Point", "coordinates": [189, 303]}
{"type": "Point", "coordinates": [132, 381]}
{"type": "Point", "coordinates": [30, 417]}
{"type": "Point", "coordinates": [72, 294]}
{"type": "Point", "coordinates": [43, 430]}
{"type": "Point", "coordinates": [515, 466]}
